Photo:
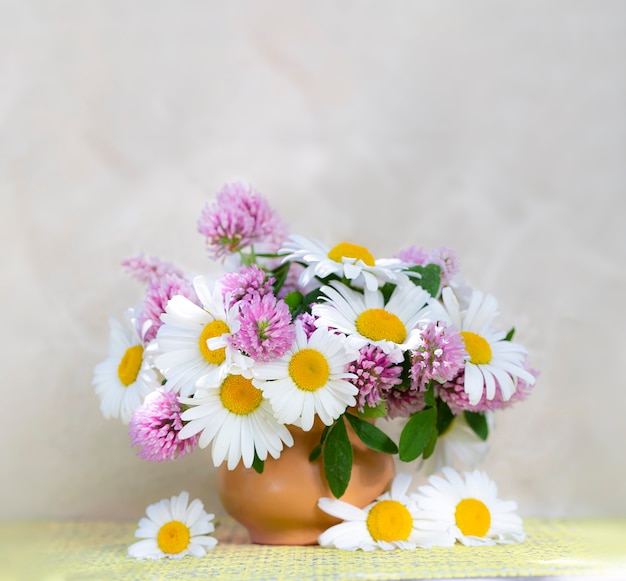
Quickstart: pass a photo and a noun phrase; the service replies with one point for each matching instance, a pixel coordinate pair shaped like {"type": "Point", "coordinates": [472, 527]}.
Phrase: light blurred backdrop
{"type": "Point", "coordinates": [495, 128]}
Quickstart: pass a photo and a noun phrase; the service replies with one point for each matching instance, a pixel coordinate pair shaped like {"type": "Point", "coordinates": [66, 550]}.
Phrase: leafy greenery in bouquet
{"type": "Point", "coordinates": [296, 332]}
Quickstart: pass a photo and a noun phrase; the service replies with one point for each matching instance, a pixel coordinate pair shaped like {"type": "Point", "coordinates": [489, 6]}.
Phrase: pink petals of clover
{"type": "Point", "coordinates": [440, 357]}
{"type": "Point", "coordinates": [155, 425]}
{"type": "Point", "coordinates": [157, 295]}
{"type": "Point", "coordinates": [265, 331]}
{"type": "Point", "coordinates": [247, 282]}
{"type": "Point", "coordinates": [239, 218]}
{"type": "Point", "coordinates": [375, 373]}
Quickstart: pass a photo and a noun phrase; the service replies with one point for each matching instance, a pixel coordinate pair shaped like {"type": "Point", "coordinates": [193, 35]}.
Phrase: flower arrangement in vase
{"type": "Point", "coordinates": [300, 337]}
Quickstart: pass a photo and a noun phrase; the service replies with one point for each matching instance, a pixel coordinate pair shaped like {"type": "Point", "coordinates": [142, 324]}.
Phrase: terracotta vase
{"type": "Point", "coordinates": [279, 506]}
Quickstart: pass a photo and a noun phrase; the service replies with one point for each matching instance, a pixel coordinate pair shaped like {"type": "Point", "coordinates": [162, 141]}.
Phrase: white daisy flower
{"type": "Point", "coordinates": [351, 261]}
{"type": "Point", "coordinates": [239, 421]}
{"type": "Point", "coordinates": [491, 358]}
{"type": "Point", "coordinates": [459, 443]}
{"type": "Point", "coordinates": [193, 341]}
{"type": "Point", "coordinates": [309, 380]}
{"type": "Point", "coordinates": [469, 507]}
{"type": "Point", "coordinates": [391, 521]}
{"type": "Point", "coordinates": [174, 528]}
{"type": "Point", "coordinates": [123, 380]}
{"type": "Point", "coordinates": [367, 320]}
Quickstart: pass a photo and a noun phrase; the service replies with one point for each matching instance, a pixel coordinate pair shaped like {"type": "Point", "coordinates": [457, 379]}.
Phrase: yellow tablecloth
{"type": "Point", "coordinates": [84, 550]}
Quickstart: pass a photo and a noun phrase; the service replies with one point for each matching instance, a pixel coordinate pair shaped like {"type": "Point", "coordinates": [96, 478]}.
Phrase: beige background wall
{"type": "Point", "coordinates": [495, 128]}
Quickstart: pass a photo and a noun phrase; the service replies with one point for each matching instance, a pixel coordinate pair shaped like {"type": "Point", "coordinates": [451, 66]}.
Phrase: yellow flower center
{"type": "Point", "coordinates": [309, 369]}
{"type": "Point", "coordinates": [389, 520]}
{"type": "Point", "coordinates": [173, 537]}
{"type": "Point", "coordinates": [213, 329]}
{"type": "Point", "coordinates": [129, 366]}
{"type": "Point", "coordinates": [347, 250]}
{"type": "Point", "coordinates": [477, 347]}
{"type": "Point", "coordinates": [472, 517]}
{"type": "Point", "coordinates": [379, 325]}
{"type": "Point", "coordinates": [239, 395]}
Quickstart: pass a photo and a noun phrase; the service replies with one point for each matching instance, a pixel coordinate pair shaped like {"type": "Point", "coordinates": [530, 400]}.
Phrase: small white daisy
{"type": "Point", "coordinates": [491, 357]}
{"type": "Point", "coordinates": [193, 341]}
{"type": "Point", "coordinates": [351, 261]}
{"type": "Point", "coordinates": [310, 379]}
{"type": "Point", "coordinates": [239, 421]}
{"type": "Point", "coordinates": [458, 443]}
{"type": "Point", "coordinates": [174, 528]}
{"type": "Point", "coordinates": [469, 507]}
{"type": "Point", "coordinates": [123, 380]}
{"type": "Point", "coordinates": [367, 320]}
{"type": "Point", "coordinates": [391, 521]}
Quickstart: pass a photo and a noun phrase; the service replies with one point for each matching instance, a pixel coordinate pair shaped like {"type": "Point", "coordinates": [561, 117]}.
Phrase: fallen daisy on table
{"type": "Point", "coordinates": [469, 507]}
{"type": "Point", "coordinates": [174, 528]}
{"type": "Point", "coordinates": [391, 521]}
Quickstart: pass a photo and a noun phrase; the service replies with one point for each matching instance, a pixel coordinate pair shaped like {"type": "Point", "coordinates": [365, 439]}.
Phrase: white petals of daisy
{"type": "Point", "coordinates": [174, 528]}
{"type": "Point", "coordinates": [366, 319]}
{"type": "Point", "coordinates": [493, 361]}
{"type": "Point", "coordinates": [391, 521]}
{"type": "Point", "coordinates": [192, 340]}
{"type": "Point", "coordinates": [239, 421]}
{"type": "Point", "coordinates": [309, 380]}
{"type": "Point", "coordinates": [123, 380]}
{"type": "Point", "coordinates": [469, 508]}
{"type": "Point", "coordinates": [351, 261]}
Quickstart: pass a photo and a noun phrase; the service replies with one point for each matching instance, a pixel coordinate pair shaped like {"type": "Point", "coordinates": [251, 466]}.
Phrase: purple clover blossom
{"type": "Point", "coordinates": [453, 393]}
{"type": "Point", "coordinates": [157, 295]}
{"type": "Point", "coordinates": [308, 323]}
{"type": "Point", "coordinates": [404, 403]}
{"type": "Point", "coordinates": [155, 425]}
{"type": "Point", "coordinates": [246, 283]}
{"type": "Point", "coordinates": [376, 373]}
{"type": "Point", "coordinates": [265, 331]}
{"type": "Point", "coordinates": [443, 257]}
{"type": "Point", "coordinates": [447, 261]}
{"type": "Point", "coordinates": [440, 357]}
{"type": "Point", "coordinates": [239, 217]}
{"type": "Point", "coordinates": [146, 269]}
{"type": "Point", "coordinates": [413, 255]}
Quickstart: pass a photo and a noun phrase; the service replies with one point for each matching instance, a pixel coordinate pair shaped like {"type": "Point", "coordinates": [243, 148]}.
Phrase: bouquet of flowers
{"type": "Point", "coordinates": [296, 332]}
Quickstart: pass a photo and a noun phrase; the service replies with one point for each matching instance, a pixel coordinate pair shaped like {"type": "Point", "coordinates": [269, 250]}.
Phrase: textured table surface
{"type": "Point", "coordinates": [77, 550]}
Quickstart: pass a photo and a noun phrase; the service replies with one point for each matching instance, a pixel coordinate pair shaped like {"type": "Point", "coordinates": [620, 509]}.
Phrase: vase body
{"type": "Point", "coordinates": [279, 506]}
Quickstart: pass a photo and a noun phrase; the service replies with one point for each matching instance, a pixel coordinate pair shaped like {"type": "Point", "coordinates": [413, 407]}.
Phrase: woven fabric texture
{"type": "Point", "coordinates": [54, 551]}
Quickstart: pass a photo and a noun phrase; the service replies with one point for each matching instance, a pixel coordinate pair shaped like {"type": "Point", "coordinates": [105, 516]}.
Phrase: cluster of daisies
{"type": "Point", "coordinates": [452, 507]}
{"type": "Point", "coordinates": [296, 333]}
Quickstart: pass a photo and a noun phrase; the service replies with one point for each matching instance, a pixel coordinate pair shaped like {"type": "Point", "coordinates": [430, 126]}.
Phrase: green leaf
{"type": "Point", "coordinates": [416, 434]}
{"type": "Point", "coordinates": [372, 436]}
{"type": "Point", "coordinates": [380, 411]}
{"type": "Point", "coordinates": [429, 396]}
{"type": "Point", "coordinates": [478, 422]}
{"type": "Point", "coordinates": [429, 448]}
{"type": "Point", "coordinates": [445, 417]}
{"type": "Point", "coordinates": [338, 456]}
{"type": "Point", "coordinates": [405, 374]}
{"type": "Point", "coordinates": [509, 335]}
{"type": "Point", "coordinates": [311, 297]}
{"type": "Point", "coordinates": [280, 276]}
{"type": "Point", "coordinates": [258, 464]}
{"type": "Point", "coordinates": [430, 277]}
{"type": "Point", "coordinates": [387, 290]}
{"type": "Point", "coordinates": [293, 300]}
{"type": "Point", "coordinates": [324, 434]}
{"type": "Point", "coordinates": [315, 453]}
{"type": "Point", "coordinates": [318, 448]}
